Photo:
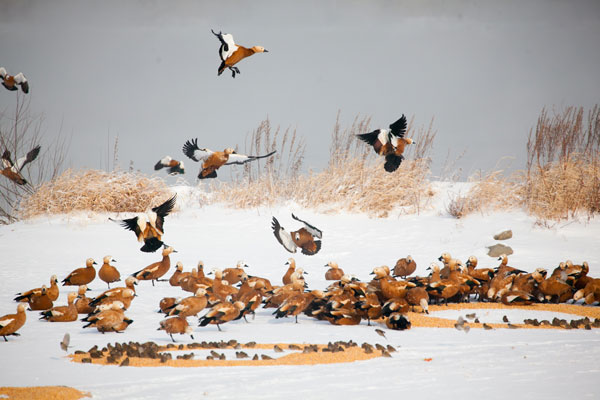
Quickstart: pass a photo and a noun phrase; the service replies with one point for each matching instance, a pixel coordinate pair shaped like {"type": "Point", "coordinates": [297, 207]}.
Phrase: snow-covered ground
{"type": "Point", "coordinates": [496, 364]}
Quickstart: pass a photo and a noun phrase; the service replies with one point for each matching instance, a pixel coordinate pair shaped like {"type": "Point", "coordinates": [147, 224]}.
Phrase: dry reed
{"type": "Point", "coordinates": [95, 190]}
{"type": "Point", "coordinates": [563, 166]}
{"type": "Point", "coordinates": [490, 192]}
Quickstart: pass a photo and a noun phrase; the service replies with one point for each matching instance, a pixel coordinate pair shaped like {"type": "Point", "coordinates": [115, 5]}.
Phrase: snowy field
{"type": "Point", "coordinates": [496, 364]}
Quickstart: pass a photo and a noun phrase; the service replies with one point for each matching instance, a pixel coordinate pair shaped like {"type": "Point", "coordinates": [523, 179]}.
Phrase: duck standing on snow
{"type": "Point", "coordinates": [107, 272]}
{"type": "Point", "coordinates": [213, 160]}
{"type": "Point", "coordinates": [232, 53]}
{"type": "Point", "coordinates": [148, 228]}
{"type": "Point", "coordinates": [303, 237]}
{"type": "Point", "coordinates": [174, 167]}
{"type": "Point", "coordinates": [13, 171]}
{"type": "Point", "coordinates": [11, 323]}
{"type": "Point", "coordinates": [156, 270]}
{"type": "Point", "coordinates": [389, 143]}
{"type": "Point", "coordinates": [10, 82]}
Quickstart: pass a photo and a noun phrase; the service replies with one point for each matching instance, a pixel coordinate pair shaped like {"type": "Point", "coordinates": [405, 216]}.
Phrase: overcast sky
{"type": "Point", "coordinates": [146, 71]}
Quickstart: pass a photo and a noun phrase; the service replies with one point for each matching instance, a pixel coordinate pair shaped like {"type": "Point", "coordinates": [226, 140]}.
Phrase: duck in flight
{"type": "Point", "coordinates": [232, 53]}
{"type": "Point", "coordinates": [213, 160]}
{"type": "Point", "coordinates": [306, 238]}
{"type": "Point", "coordinates": [11, 82]}
{"type": "Point", "coordinates": [174, 167]}
{"type": "Point", "coordinates": [148, 227]}
{"type": "Point", "coordinates": [389, 143]}
{"type": "Point", "coordinates": [13, 170]}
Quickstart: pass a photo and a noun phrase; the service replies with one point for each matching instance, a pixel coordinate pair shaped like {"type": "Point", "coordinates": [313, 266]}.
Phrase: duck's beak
{"type": "Point", "coordinates": [265, 51]}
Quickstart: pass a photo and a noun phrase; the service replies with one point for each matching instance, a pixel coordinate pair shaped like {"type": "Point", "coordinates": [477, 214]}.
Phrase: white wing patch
{"type": "Point", "coordinates": [228, 38]}
{"type": "Point", "coordinates": [202, 154]}
{"type": "Point", "coordinates": [56, 313]}
{"type": "Point", "coordinates": [237, 159]}
{"type": "Point", "coordinates": [383, 136]}
{"type": "Point", "coordinates": [5, 322]}
{"type": "Point", "coordinates": [286, 240]}
{"type": "Point", "coordinates": [19, 164]}
{"type": "Point", "coordinates": [20, 78]}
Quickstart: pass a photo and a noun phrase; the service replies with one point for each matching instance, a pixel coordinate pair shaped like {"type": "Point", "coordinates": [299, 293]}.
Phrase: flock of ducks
{"type": "Point", "coordinates": [231, 294]}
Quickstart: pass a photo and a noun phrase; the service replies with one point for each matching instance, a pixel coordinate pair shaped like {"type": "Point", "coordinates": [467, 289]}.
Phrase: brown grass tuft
{"type": "Point", "coordinates": [95, 190]}
{"type": "Point", "coordinates": [490, 192]}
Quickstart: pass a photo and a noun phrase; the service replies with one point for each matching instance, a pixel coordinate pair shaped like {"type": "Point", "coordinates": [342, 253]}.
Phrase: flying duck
{"type": "Point", "coordinates": [174, 167]}
{"type": "Point", "coordinates": [13, 170]}
{"type": "Point", "coordinates": [10, 82]}
{"type": "Point", "coordinates": [213, 160]}
{"type": "Point", "coordinates": [232, 53]}
{"type": "Point", "coordinates": [148, 228]}
{"type": "Point", "coordinates": [303, 237]}
{"type": "Point", "coordinates": [389, 143]}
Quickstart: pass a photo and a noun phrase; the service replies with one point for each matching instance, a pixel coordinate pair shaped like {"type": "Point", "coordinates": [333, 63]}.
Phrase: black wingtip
{"type": "Point", "coordinates": [189, 147]}
{"type": "Point", "coordinates": [392, 162]}
{"type": "Point", "coordinates": [151, 245]}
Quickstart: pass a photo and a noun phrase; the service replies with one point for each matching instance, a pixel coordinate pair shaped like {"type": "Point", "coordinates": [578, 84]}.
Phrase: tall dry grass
{"type": "Point", "coordinates": [563, 166]}
{"type": "Point", "coordinates": [562, 176]}
{"type": "Point", "coordinates": [95, 190]}
{"type": "Point", "coordinates": [354, 179]}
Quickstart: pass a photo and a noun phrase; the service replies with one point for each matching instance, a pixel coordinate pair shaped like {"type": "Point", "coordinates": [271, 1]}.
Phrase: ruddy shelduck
{"type": "Point", "coordinates": [52, 292]}
{"type": "Point", "coordinates": [190, 306]}
{"type": "Point", "coordinates": [66, 313]}
{"type": "Point", "coordinates": [234, 275]}
{"type": "Point", "coordinates": [156, 270]}
{"type": "Point", "coordinates": [334, 272]}
{"type": "Point", "coordinates": [175, 279]}
{"type": "Point", "coordinates": [173, 167]}
{"type": "Point", "coordinates": [176, 325]}
{"type": "Point", "coordinates": [213, 160]}
{"type": "Point", "coordinates": [130, 283]}
{"type": "Point", "coordinates": [40, 301]}
{"type": "Point", "coordinates": [404, 267]}
{"type": "Point", "coordinates": [107, 272]}
{"type": "Point", "coordinates": [13, 170]}
{"type": "Point", "coordinates": [149, 227]}
{"type": "Point", "coordinates": [232, 53]}
{"type": "Point", "coordinates": [11, 323]}
{"type": "Point", "coordinates": [82, 304]}
{"type": "Point", "coordinates": [109, 320]}
{"type": "Point", "coordinates": [11, 82]}
{"type": "Point", "coordinates": [221, 313]}
{"type": "Point", "coordinates": [306, 238]}
{"type": "Point", "coordinates": [389, 143]}
{"type": "Point", "coordinates": [81, 276]}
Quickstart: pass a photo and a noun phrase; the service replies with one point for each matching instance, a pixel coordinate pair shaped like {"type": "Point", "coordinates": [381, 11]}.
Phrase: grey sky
{"type": "Point", "coordinates": [145, 71]}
